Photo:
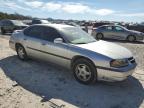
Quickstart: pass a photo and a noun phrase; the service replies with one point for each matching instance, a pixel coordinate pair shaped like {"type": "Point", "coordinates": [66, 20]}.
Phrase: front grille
{"type": "Point", "coordinates": [131, 59]}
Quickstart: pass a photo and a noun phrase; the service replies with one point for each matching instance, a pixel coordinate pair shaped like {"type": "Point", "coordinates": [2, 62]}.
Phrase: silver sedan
{"type": "Point", "coordinates": [116, 32]}
{"type": "Point", "coordinates": [72, 48]}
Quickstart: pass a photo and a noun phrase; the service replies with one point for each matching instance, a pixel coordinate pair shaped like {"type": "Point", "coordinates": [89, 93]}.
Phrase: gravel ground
{"type": "Point", "coordinates": [34, 84]}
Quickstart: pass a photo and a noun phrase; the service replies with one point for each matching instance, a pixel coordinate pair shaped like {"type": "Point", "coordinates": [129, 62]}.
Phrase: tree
{"type": "Point", "coordinates": [14, 16]}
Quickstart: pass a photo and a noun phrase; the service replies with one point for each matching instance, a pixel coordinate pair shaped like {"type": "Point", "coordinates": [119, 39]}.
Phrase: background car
{"type": "Point", "coordinates": [72, 48]}
{"type": "Point", "coordinates": [98, 24]}
{"type": "Point", "coordinates": [137, 27]}
{"type": "Point", "coordinates": [117, 32]}
{"type": "Point", "coordinates": [85, 27]}
{"type": "Point", "coordinates": [8, 26]}
{"type": "Point", "coordinates": [40, 21]}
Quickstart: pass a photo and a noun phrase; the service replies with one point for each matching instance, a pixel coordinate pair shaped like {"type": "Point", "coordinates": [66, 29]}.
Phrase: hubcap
{"type": "Point", "coordinates": [83, 72]}
{"type": "Point", "coordinates": [99, 36]}
{"type": "Point", "coordinates": [131, 38]}
{"type": "Point", "coordinates": [21, 52]}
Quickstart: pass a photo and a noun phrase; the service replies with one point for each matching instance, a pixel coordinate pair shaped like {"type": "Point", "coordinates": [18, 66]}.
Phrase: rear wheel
{"type": "Point", "coordinates": [84, 71]}
{"type": "Point", "coordinates": [21, 52]}
{"type": "Point", "coordinates": [99, 36]}
{"type": "Point", "coordinates": [131, 38]}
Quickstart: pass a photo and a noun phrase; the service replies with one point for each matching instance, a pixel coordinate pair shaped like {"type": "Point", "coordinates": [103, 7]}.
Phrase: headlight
{"type": "Point", "coordinates": [119, 63]}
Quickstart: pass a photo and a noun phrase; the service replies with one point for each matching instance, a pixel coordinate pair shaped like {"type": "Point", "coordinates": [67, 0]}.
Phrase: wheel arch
{"type": "Point", "coordinates": [99, 33]}
{"type": "Point", "coordinates": [18, 44]}
{"type": "Point", "coordinates": [80, 57]}
{"type": "Point", "coordinates": [131, 35]}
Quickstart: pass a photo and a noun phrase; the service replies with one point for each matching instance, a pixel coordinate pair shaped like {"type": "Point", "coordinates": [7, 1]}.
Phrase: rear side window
{"type": "Point", "coordinates": [34, 31]}
{"type": "Point", "coordinates": [103, 28]}
{"type": "Point", "coordinates": [42, 32]}
{"type": "Point", "coordinates": [109, 28]}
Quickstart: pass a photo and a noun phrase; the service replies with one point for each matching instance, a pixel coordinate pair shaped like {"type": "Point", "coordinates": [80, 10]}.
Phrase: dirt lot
{"type": "Point", "coordinates": [34, 84]}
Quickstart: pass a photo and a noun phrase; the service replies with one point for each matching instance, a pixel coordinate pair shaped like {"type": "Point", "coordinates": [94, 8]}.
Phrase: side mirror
{"type": "Point", "coordinates": [58, 40]}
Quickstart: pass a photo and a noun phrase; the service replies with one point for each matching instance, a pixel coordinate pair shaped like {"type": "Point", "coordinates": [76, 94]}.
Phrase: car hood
{"type": "Point", "coordinates": [21, 25]}
{"type": "Point", "coordinates": [108, 49]}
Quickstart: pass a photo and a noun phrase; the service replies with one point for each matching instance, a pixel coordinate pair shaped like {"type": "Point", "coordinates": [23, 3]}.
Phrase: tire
{"type": "Point", "coordinates": [21, 53]}
{"type": "Point", "coordinates": [84, 71]}
{"type": "Point", "coordinates": [99, 36]}
{"type": "Point", "coordinates": [3, 31]}
{"type": "Point", "coordinates": [131, 38]}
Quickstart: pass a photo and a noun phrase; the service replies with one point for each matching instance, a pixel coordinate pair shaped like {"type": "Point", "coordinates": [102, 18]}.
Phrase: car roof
{"type": "Point", "coordinates": [37, 19]}
{"type": "Point", "coordinates": [103, 26]}
{"type": "Point", "coordinates": [110, 25]}
{"type": "Point", "coordinates": [58, 26]}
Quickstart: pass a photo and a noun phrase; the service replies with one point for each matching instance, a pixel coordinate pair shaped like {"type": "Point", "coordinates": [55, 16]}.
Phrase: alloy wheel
{"type": "Point", "coordinates": [99, 36]}
{"type": "Point", "coordinates": [131, 38]}
{"type": "Point", "coordinates": [21, 52]}
{"type": "Point", "coordinates": [83, 72]}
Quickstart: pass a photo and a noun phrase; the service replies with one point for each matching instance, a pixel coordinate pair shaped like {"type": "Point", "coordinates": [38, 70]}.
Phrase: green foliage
{"type": "Point", "coordinates": [14, 16]}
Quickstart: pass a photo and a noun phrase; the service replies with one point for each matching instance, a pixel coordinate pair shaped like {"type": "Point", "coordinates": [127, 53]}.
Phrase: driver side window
{"type": "Point", "coordinates": [49, 34]}
{"type": "Point", "coordinates": [118, 28]}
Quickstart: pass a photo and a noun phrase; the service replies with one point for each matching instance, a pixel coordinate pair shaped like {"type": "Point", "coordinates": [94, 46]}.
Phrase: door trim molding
{"type": "Point", "coordinates": [49, 53]}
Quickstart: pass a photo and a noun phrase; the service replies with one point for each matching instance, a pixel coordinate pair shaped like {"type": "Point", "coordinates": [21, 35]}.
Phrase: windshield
{"type": "Point", "coordinates": [17, 22]}
{"type": "Point", "coordinates": [76, 35]}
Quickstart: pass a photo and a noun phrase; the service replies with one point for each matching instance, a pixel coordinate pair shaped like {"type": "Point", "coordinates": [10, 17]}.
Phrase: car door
{"type": "Point", "coordinates": [118, 32]}
{"type": "Point", "coordinates": [32, 41]}
{"type": "Point", "coordinates": [108, 32]}
{"type": "Point", "coordinates": [54, 52]}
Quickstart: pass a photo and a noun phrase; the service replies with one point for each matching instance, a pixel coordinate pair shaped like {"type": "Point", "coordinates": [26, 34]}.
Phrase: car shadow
{"type": "Point", "coordinates": [123, 41]}
{"type": "Point", "coordinates": [50, 81]}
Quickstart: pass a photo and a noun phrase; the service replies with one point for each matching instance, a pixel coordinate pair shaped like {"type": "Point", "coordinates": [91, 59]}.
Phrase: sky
{"type": "Point", "coordinates": [108, 10]}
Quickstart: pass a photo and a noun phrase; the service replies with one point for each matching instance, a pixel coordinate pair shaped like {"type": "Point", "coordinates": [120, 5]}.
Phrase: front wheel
{"type": "Point", "coordinates": [21, 52]}
{"type": "Point", "coordinates": [131, 38]}
{"type": "Point", "coordinates": [84, 71]}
